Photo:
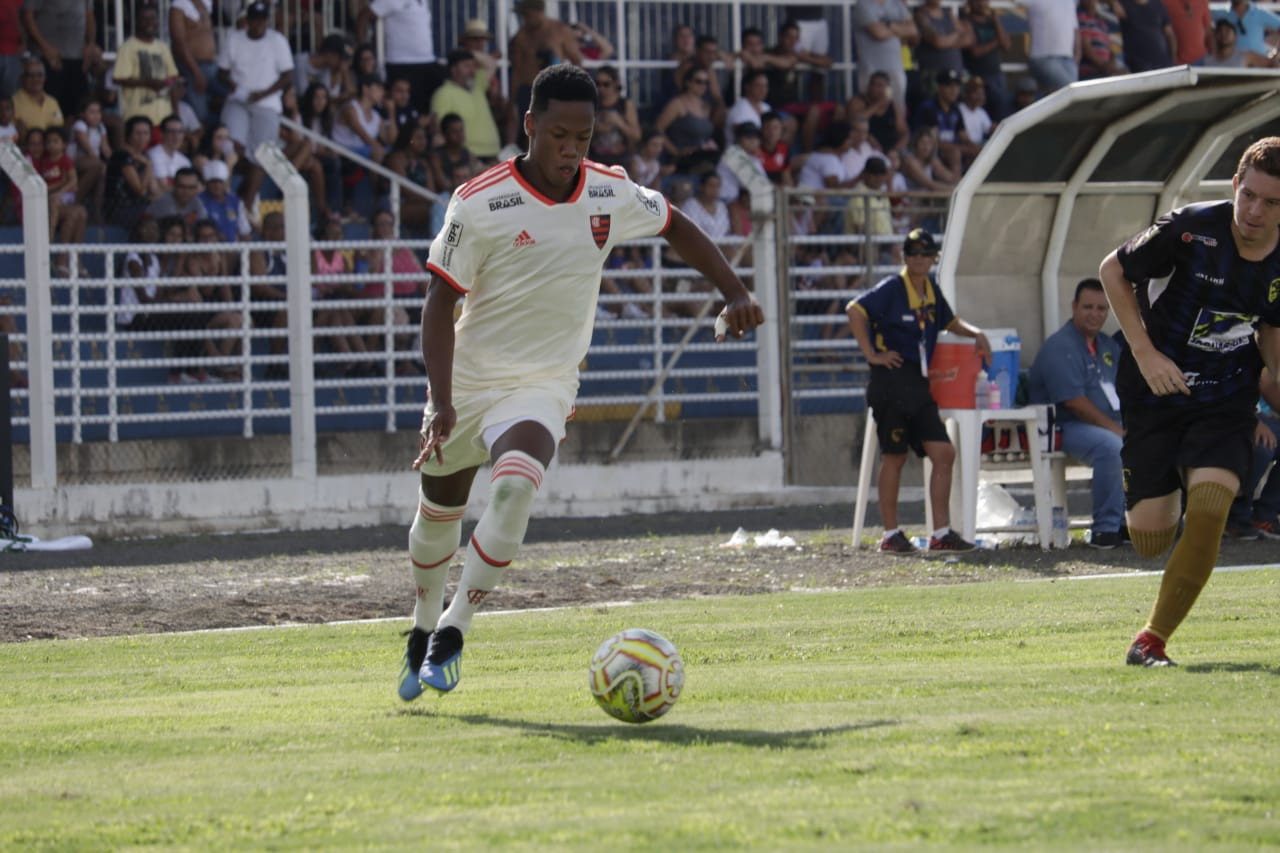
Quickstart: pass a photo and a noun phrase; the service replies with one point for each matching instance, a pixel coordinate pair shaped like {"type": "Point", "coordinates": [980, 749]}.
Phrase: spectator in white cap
{"type": "Point", "coordinates": [222, 206]}
{"type": "Point", "coordinates": [256, 65]}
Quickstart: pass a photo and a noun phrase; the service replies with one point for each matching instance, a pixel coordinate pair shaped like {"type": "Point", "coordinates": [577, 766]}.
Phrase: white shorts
{"type": "Point", "coordinates": [251, 125]}
{"type": "Point", "coordinates": [484, 415]}
{"type": "Point", "coordinates": [814, 37]}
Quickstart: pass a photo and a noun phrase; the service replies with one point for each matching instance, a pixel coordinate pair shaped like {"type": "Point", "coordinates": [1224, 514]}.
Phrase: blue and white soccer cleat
{"type": "Point", "coordinates": [443, 666]}
{"type": "Point", "coordinates": [414, 655]}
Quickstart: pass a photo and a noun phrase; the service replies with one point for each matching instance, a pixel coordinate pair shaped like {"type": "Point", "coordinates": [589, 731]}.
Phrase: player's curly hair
{"type": "Point", "coordinates": [1263, 155]}
{"type": "Point", "coordinates": [563, 82]}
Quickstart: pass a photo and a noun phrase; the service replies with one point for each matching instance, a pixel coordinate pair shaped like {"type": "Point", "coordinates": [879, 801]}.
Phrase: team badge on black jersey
{"type": "Point", "coordinates": [600, 229]}
{"type": "Point", "coordinates": [1221, 331]}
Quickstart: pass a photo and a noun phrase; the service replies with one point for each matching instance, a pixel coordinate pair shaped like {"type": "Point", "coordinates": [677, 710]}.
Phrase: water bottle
{"type": "Point", "coordinates": [1006, 390]}
{"type": "Point", "coordinates": [993, 395]}
{"type": "Point", "coordinates": [1061, 536]}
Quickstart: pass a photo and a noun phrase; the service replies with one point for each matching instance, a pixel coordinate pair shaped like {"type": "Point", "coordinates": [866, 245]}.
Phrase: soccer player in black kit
{"type": "Point", "coordinates": [1188, 377]}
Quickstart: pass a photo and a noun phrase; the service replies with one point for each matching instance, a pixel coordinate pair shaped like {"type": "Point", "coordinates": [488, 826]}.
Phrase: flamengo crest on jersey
{"type": "Point", "coordinates": [530, 268]}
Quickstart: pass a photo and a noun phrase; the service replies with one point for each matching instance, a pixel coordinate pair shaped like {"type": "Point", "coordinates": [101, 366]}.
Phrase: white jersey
{"type": "Point", "coordinates": [530, 268]}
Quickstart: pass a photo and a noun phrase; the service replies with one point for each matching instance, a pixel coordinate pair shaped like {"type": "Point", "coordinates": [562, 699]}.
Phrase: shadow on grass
{"type": "Point", "coordinates": [673, 733]}
{"type": "Point", "coordinates": [1263, 668]}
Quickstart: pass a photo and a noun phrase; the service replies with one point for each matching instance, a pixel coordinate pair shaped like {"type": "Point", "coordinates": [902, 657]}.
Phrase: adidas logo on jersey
{"type": "Point", "coordinates": [523, 240]}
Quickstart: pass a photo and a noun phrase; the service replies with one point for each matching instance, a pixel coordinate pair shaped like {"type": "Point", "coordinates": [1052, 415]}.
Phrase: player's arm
{"type": "Point", "coordinates": [1162, 375]}
{"type": "Point", "coordinates": [742, 312]}
{"type": "Point", "coordinates": [1085, 409]}
{"type": "Point", "coordinates": [437, 353]}
{"type": "Point", "coordinates": [965, 329]}
{"type": "Point", "coordinates": [860, 325]}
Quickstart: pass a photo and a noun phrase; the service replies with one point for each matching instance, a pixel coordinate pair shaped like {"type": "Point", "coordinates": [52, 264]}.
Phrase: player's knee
{"type": "Point", "coordinates": [941, 453]}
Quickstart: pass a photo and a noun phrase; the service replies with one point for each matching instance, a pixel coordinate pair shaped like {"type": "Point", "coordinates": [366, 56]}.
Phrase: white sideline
{"type": "Point", "coordinates": [1254, 567]}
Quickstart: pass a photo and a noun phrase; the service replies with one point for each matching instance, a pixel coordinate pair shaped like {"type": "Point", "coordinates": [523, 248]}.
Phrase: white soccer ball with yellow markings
{"type": "Point", "coordinates": [636, 675]}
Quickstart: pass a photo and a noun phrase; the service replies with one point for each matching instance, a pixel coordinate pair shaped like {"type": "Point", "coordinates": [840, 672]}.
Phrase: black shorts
{"type": "Point", "coordinates": [1160, 443]}
{"type": "Point", "coordinates": [905, 411]}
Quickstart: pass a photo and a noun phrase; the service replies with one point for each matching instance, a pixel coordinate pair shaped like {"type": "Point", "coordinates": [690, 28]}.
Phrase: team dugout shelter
{"type": "Point", "coordinates": [1067, 179]}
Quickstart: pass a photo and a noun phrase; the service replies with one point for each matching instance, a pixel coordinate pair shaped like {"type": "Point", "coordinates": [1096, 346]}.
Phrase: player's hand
{"type": "Point", "coordinates": [888, 358]}
{"type": "Point", "coordinates": [739, 317]}
{"type": "Point", "coordinates": [1263, 436]}
{"type": "Point", "coordinates": [984, 348]}
{"type": "Point", "coordinates": [438, 429]}
{"type": "Point", "coordinates": [1164, 378]}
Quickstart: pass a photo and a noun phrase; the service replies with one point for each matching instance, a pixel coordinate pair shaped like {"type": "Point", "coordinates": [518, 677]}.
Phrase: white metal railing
{"type": "Point", "coordinates": [106, 382]}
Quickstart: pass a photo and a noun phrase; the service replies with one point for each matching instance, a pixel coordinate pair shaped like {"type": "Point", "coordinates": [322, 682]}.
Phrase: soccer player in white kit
{"type": "Point", "coordinates": [525, 242]}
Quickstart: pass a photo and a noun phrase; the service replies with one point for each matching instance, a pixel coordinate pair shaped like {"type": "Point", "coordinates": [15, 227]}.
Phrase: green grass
{"type": "Point", "coordinates": [994, 714]}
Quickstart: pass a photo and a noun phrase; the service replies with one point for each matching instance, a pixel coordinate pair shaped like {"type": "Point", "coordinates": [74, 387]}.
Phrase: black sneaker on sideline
{"type": "Point", "coordinates": [1246, 532]}
{"type": "Point", "coordinates": [1105, 540]}
{"type": "Point", "coordinates": [952, 542]}
{"type": "Point", "coordinates": [898, 543]}
{"type": "Point", "coordinates": [414, 655]}
{"type": "Point", "coordinates": [1268, 528]}
{"type": "Point", "coordinates": [1147, 650]}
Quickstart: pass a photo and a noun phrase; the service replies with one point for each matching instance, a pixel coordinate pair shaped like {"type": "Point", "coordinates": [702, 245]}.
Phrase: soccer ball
{"type": "Point", "coordinates": [636, 675]}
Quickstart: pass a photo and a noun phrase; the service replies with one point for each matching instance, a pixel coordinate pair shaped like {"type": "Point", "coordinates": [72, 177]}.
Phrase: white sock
{"type": "Point", "coordinates": [888, 534]}
{"type": "Point", "coordinates": [940, 532]}
{"type": "Point", "coordinates": [433, 540]}
{"type": "Point", "coordinates": [512, 486]}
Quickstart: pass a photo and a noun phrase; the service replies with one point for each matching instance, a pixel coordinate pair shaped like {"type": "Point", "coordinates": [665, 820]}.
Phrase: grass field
{"type": "Point", "coordinates": [992, 714]}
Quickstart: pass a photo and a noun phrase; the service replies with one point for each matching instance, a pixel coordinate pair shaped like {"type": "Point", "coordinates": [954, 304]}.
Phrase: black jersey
{"type": "Point", "coordinates": [1204, 318]}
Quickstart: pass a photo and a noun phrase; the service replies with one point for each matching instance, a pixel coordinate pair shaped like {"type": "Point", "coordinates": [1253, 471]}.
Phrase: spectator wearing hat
{"type": "Point", "coordinates": [195, 51]}
{"type": "Point", "coordinates": [1254, 24]}
{"type": "Point", "coordinates": [256, 65]}
{"type": "Point", "coordinates": [465, 93]}
{"type": "Point", "coordinates": [1025, 93]}
{"type": "Point", "coordinates": [1228, 54]}
{"type": "Point", "coordinates": [476, 37]}
{"type": "Point", "coordinates": [329, 65]}
{"type": "Point", "coordinates": [896, 324]}
{"type": "Point", "coordinates": [943, 112]}
{"type": "Point", "coordinates": [410, 45]}
{"type": "Point", "coordinates": [223, 206]}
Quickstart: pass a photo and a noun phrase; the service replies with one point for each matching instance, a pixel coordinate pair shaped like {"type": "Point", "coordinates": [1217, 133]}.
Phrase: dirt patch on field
{"type": "Point", "coordinates": [158, 585]}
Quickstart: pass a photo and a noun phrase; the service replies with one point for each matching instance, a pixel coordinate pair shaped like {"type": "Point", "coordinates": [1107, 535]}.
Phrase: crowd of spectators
{"type": "Point", "coordinates": [165, 132]}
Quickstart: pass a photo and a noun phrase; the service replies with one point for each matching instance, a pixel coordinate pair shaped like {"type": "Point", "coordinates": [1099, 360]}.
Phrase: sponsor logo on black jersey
{"type": "Point", "coordinates": [600, 192]}
{"type": "Point", "coordinates": [1188, 237]}
{"type": "Point", "coordinates": [502, 202]}
{"type": "Point", "coordinates": [1221, 331]}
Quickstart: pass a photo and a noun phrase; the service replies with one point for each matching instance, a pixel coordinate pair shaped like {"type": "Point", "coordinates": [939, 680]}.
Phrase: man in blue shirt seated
{"type": "Point", "coordinates": [1256, 518]}
{"type": "Point", "coordinates": [1075, 370]}
{"type": "Point", "coordinates": [896, 324]}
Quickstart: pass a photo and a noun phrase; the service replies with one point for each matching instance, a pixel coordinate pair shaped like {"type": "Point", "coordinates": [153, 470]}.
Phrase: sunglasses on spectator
{"type": "Point", "coordinates": [919, 253]}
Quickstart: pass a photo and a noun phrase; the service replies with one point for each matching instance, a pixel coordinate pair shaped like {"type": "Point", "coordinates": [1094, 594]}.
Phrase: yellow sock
{"type": "Point", "coordinates": [1152, 543]}
{"type": "Point", "coordinates": [1193, 557]}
